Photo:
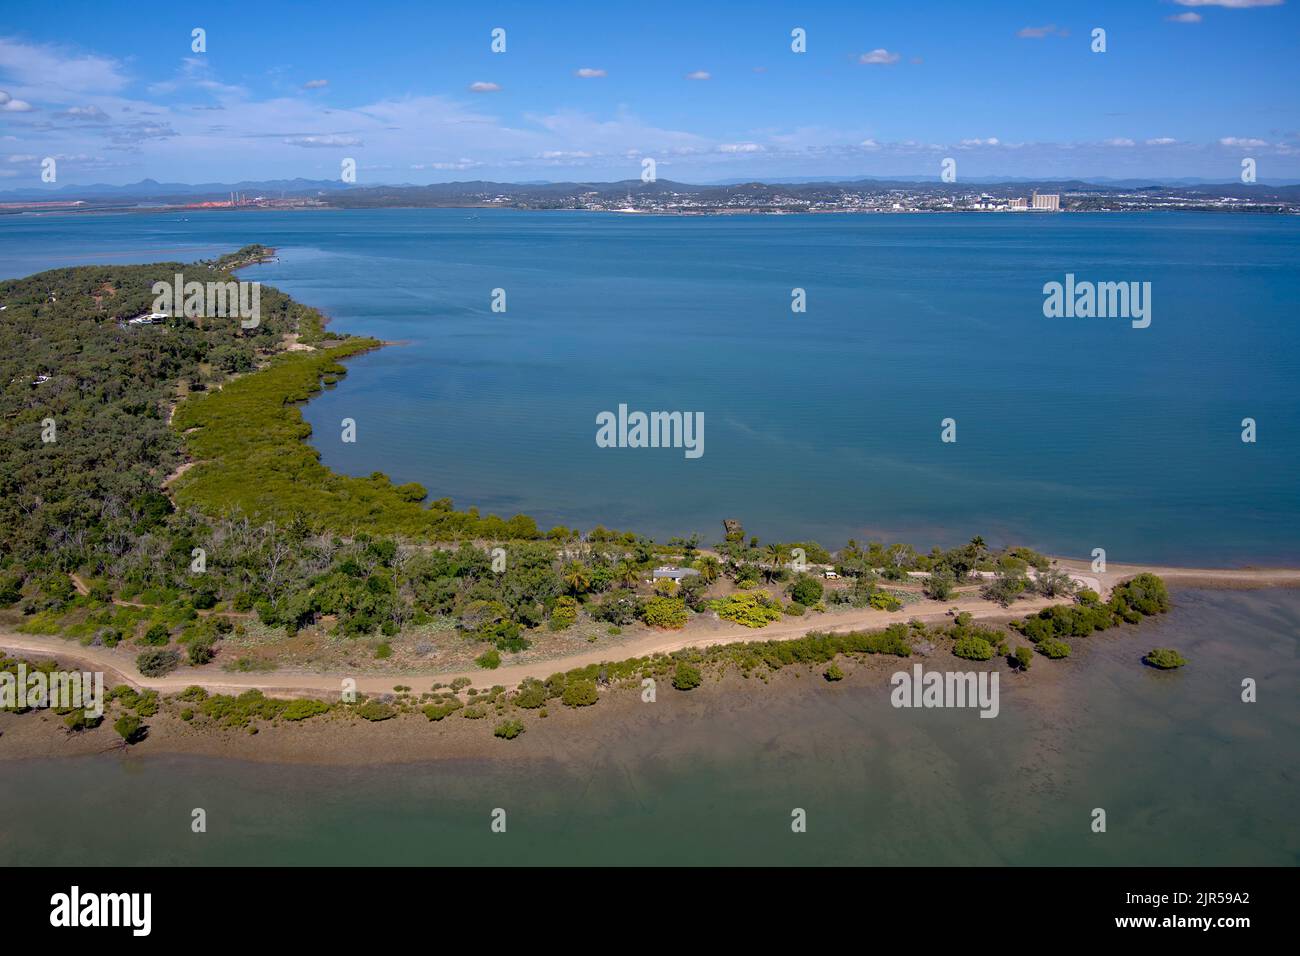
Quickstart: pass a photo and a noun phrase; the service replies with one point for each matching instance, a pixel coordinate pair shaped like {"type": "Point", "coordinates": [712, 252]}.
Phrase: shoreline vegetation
{"type": "Point", "coordinates": [179, 532]}
{"type": "Point", "coordinates": [129, 708]}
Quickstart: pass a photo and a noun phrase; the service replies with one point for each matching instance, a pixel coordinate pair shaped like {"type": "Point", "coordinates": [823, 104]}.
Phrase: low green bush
{"type": "Point", "coordinates": [157, 662]}
{"type": "Point", "coordinates": [509, 729]}
{"type": "Point", "coordinates": [1165, 658]}
{"type": "Point", "coordinates": [303, 708]}
{"type": "Point", "coordinates": [686, 676]}
{"type": "Point", "coordinates": [1051, 647]}
{"type": "Point", "coordinates": [580, 693]}
{"type": "Point", "coordinates": [376, 710]}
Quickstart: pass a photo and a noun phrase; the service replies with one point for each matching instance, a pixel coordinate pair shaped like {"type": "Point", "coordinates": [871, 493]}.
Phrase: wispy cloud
{"type": "Point", "coordinates": [589, 73]}
{"type": "Point", "coordinates": [699, 75]}
{"type": "Point", "coordinates": [196, 73]}
{"type": "Point", "coordinates": [323, 142]}
{"type": "Point", "coordinates": [132, 134]}
{"type": "Point", "coordinates": [880, 56]}
{"type": "Point", "coordinates": [1230, 4]}
{"type": "Point", "coordinates": [54, 67]}
{"type": "Point", "coordinates": [86, 114]}
{"type": "Point", "coordinates": [484, 87]}
{"type": "Point", "coordinates": [459, 164]}
{"type": "Point", "coordinates": [1038, 33]}
{"type": "Point", "coordinates": [315, 84]}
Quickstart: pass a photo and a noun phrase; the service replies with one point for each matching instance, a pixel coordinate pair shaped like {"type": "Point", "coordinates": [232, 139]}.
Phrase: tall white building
{"type": "Point", "coordinates": [1049, 201]}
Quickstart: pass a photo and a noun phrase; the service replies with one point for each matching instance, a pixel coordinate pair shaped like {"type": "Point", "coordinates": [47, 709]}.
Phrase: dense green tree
{"type": "Point", "coordinates": [807, 590]}
{"type": "Point", "coordinates": [130, 728]}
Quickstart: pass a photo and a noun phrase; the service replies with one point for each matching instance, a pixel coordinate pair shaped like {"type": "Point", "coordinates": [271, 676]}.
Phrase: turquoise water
{"type": "Point", "coordinates": [1186, 772]}
{"type": "Point", "coordinates": [1071, 433]}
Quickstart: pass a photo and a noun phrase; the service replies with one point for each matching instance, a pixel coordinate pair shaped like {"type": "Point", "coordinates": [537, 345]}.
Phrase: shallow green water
{"type": "Point", "coordinates": [1187, 773]}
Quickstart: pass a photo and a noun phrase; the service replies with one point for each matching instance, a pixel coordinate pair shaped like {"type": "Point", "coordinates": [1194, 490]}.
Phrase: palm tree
{"type": "Point", "coordinates": [577, 577]}
{"type": "Point", "coordinates": [627, 574]}
{"type": "Point", "coordinates": [710, 570]}
{"type": "Point", "coordinates": [774, 555]}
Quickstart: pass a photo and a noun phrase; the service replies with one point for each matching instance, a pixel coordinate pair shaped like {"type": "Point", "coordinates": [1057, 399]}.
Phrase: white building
{"type": "Point", "coordinates": [676, 574]}
{"type": "Point", "coordinates": [149, 319]}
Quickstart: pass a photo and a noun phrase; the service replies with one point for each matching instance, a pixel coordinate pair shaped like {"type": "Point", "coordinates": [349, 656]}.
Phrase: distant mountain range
{"type": "Point", "coordinates": [151, 189]}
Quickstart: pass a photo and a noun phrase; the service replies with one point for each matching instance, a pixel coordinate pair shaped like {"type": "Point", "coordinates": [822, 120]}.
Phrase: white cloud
{"type": "Point", "coordinates": [225, 133]}
{"type": "Point", "coordinates": [1038, 33]}
{"type": "Point", "coordinates": [1239, 141]}
{"type": "Point", "coordinates": [1185, 18]}
{"type": "Point", "coordinates": [699, 75]}
{"type": "Point", "coordinates": [315, 84]}
{"type": "Point", "coordinates": [1120, 141]}
{"type": "Point", "coordinates": [10, 105]}
{"type": "Point", "coordinates": [1231, 4]}
{"type": "Point", "coordinates": [879, 56]}
{"type": "Point", "coordinates": [589, 73]}
{"type": "Point", "coordinates": [482, 87]}
{"type": "Point", "coordinates": [132, 133]}
{"type": "Point", "coordinates": [52, 68]}
{"type": "Point", "coordinates": [457, 165]}
{"type": "Point", "coordinates": [196, 73]}
{"type": "Point", "coordinates": [86, 114]}
{"type": "Point", "coordinates": [323, 142]}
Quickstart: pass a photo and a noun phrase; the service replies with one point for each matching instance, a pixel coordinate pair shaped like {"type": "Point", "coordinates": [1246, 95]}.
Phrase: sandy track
{"type": "Point", "coordinates": [119, 664]}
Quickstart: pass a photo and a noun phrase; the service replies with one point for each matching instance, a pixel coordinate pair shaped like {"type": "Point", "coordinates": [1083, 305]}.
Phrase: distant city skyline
{"type": "Point", "coordinates": [586, 92]}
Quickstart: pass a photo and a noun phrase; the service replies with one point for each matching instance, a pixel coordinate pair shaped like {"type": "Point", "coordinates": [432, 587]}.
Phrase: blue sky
{"type": "Point", "coordinates": [414, 93]}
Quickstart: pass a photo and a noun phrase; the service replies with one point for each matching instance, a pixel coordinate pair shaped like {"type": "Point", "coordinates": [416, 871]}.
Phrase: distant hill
{"type": "Point", "coordinates": [553, 194]}
{"type": "Point", "coordinates": [152, 189]}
